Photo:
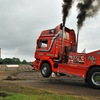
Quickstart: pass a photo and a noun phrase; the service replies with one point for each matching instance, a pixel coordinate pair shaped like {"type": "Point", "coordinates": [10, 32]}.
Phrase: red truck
{"type": "Point", "coordinates": [56, 51]}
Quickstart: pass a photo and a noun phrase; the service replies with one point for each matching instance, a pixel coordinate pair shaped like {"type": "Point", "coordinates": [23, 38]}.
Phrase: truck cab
{"type": "Point", "coordinates": [49, 43]}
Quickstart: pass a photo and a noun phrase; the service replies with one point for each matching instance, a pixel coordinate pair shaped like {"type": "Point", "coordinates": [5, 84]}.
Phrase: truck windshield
{"type": "Point", "coordinates": [43, 43]}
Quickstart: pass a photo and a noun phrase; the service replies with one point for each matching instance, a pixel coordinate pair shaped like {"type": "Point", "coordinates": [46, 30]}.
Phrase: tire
{"type": "Point", "coordinates": [46, 70]}
{"type": "Point", "coordinates": [61, 74]}
{"type": "Point", "coordinates": [93, 78]}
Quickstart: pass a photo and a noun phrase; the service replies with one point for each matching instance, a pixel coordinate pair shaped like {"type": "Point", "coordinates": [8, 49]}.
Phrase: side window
{"type": "Point", "coordinates": [43, 43]}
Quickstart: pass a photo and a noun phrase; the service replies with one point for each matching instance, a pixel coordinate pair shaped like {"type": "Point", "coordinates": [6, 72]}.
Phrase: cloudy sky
{"type": "Point", "coordinates": [21, 22]}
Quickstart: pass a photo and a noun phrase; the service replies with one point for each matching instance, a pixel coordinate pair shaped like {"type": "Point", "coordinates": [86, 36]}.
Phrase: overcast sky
{"type": "Point", "coordinates": [21, 22]}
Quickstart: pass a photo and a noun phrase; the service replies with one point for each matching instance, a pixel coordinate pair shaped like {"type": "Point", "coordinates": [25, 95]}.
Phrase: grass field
{"type": "Point", "coordinates": [16, 92]}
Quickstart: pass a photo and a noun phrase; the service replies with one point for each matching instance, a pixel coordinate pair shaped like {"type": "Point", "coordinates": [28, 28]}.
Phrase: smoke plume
{"type": "Point", "coordinates": [66, 7]}
{"type": "Point", "coordinates": [87, 9]}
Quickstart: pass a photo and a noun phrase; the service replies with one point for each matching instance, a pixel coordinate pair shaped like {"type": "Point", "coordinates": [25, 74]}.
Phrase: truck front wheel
{"type": "Point", "coordinates": [93, 78]}
{"type": "Point", "coordinates": [46, 70]}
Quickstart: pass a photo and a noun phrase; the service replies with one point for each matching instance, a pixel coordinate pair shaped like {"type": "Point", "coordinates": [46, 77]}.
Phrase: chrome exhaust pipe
{"type": "Point", "coordinates": [60, 58]}
{"type": "Point", "coordinates": [77, 38]}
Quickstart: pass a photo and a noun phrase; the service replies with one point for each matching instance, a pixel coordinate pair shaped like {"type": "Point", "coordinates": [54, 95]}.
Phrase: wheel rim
{"type": "Point", "coordinates": [44, 70]}
{"type": "Point", "coordinates": [96, 78]}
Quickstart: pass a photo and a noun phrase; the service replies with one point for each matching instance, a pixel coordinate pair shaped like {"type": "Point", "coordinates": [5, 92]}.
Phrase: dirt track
{"type": "Point", "coordinates": [61, 84]}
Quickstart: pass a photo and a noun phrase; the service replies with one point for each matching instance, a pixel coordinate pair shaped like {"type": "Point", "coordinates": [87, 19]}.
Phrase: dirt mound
{"type": "Point", "coordinates": [3, 94]}
{"type": "Point", "coordinates": [12, 78]}
{"type": "Point", "coordinates": [22, 67]}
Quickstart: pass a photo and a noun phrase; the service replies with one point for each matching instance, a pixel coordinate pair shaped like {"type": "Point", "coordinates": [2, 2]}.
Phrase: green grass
{"type": "Point", "coordinates": [40, 97]}
{"type": "Point", "coordinates": [17, 92]}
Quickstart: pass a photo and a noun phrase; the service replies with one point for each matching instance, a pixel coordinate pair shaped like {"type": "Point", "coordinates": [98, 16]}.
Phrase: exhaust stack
{"type": "Point", "coordinates": [77, 38]}
{"type": "Point", "coordinates": [65, 11]}
{"type": "Point", "coordinates": [60, 58]}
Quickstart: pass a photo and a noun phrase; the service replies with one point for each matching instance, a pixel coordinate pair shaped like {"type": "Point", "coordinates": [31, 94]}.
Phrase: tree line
{"type": "Point", "coordinates": [12, 61]}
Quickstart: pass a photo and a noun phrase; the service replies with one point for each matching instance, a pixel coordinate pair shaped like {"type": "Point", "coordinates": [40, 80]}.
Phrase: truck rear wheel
{"type": "Point", "coordinates": [93, 78]}
{"type": "Point", "coordinates": [46, 70]}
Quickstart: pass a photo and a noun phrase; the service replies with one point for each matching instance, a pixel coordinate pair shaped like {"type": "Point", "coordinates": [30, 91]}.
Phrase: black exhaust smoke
{"type": "Point", "coordinates": [87, 9]}
{"type": "Point", "coordinates": [66, 7]}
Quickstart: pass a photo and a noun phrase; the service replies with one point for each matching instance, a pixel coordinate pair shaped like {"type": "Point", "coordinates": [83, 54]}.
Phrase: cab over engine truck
{"type": "Point", "coordinates": [56, 51]}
